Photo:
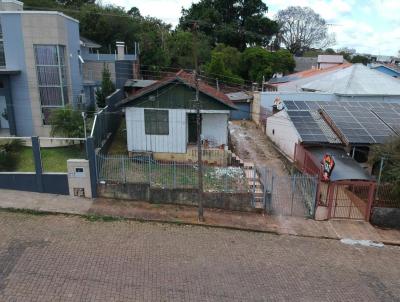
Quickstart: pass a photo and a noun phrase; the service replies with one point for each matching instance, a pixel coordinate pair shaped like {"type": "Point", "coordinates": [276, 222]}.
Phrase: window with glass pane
{"type": "Point", "coordinates": [156, 122]}
{"type": "Point", "coordinates": [52, 77]}
{"type": "Point", "coordinates": [2, 56]}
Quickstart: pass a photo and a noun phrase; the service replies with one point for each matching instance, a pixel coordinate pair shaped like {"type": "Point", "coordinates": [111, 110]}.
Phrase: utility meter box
{"type": "Point", "coordinates": [79, 178]}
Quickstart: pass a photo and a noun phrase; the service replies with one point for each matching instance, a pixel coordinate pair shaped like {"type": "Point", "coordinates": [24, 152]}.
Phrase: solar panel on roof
{"type": "Point", "coordinates": [290, 105]}
{"type": "Point", "coordinates": [307, 127]}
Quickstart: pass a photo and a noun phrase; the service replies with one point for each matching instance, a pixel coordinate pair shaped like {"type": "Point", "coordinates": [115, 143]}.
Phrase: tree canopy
{"type": "Point", "coordinates": [258, 63]}
{"type": "Point", "coordinates": [390, 152]}
{"type": "Point", "coordinates": [232, 22]}
{"type": "Point", "coordinates": [301, 28]}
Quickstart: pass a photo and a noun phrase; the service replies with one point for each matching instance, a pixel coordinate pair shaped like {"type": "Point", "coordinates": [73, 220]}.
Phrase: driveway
{"type": "Point", "coordinates": [251, 144]}
{"type": "Point", "coordinates": [58, 258]}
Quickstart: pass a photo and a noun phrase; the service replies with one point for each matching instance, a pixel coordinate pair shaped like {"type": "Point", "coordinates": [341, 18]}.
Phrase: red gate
{"type": "Point", "coordinates": [350, 199]}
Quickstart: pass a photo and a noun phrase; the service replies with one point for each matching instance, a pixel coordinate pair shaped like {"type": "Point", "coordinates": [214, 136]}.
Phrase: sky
{"type": "Point", "coordinates": [369, 26]}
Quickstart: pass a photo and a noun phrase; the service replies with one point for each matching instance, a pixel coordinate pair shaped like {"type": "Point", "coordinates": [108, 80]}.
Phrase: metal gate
{"type": "Point", "coordinates": [288, 195]}
{"type": "Point", "coordinates": [350, 199]}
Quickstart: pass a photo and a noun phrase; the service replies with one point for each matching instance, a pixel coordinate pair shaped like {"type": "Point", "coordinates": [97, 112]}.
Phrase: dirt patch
{"type": "Point", "coordinates": [251, 144]}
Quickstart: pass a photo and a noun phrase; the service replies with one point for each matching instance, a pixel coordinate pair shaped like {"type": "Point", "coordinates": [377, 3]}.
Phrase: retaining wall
{"type": "Point", "coordinates": [143, 192]}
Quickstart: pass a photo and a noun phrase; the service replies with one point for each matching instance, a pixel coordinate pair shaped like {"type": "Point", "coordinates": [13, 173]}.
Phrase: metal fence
{"type": "Point", "coordinates": [171, 175]}
{"type": "Point", "coordinates": [288, 195]}
{"type": "Point", "coordinates": [106, 121]}
{"type": "Point", "coordinates": [387, 196]}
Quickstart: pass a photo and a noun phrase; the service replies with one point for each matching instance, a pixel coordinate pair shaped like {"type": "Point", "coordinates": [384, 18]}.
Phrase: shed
{"type": "Point", "coordinates": [242, 102]}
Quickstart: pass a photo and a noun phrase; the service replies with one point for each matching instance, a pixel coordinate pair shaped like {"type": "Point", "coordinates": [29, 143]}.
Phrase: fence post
{"type": "Point", "coordinates": [91, 156]}
{"type": "Point", "coordinates": [174, 176]}
{"type": "Point", "coordinates": [123, 168]}
{"type": "Point", "coordinates": [371, 195]}
{"type": "Point", "coordinates": [293, 187]}
{"type": "Point", "coordinates": [38, 162]}
{"type": "Point", "coordinates": [149, 168]}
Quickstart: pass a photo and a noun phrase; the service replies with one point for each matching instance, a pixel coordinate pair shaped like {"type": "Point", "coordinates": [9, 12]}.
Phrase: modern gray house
{"type": "Point", "coordinates": [40, 68]}
{"type": "Point", "coordinates": [45, 64]}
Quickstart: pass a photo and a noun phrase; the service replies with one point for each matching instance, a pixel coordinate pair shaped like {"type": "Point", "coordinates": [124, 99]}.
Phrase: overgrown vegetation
{"type": "Point", "coordinates": [66, 122]}
{"type": "Point", "coordinates": [390, 153]}
{"type": "Point", "coordinates": [106, 89]}
{"type": "Point", "coordinates": [9, 150]}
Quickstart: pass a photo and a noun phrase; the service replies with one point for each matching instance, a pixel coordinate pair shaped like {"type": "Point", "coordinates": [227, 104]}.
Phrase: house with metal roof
{"type": "Point", "coordinates": [161, 118]}
{"type": "Point", "coordinates": [343, 83]}
{"type": "Point", "coordinates": [389, 69]}
{"type": "Point", "coordinates": [242, 101]}
{"type": "Point", "coordinates": [351, 127]}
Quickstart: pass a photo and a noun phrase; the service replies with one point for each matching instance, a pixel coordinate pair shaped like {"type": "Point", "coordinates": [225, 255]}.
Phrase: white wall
{"type": "Point", "coordinates": [215, 128]}
{"type": "Point", "coordinates": [174, 142]}
{"type": "Point", "coordinates": [282, 132]}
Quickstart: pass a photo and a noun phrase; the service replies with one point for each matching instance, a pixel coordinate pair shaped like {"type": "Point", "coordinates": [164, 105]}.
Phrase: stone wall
{"type": "Point", "coordinates": [143, 192]}
{"type": "Point", "coordinates": [386, 217]}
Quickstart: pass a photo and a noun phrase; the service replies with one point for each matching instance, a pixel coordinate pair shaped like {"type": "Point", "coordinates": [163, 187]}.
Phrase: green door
{"type": "Point", "coordinates": [192, 128]}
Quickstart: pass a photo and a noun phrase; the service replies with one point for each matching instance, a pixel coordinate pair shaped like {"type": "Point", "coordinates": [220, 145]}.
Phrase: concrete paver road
{"type": "Point", "coordinates": [58, 258]}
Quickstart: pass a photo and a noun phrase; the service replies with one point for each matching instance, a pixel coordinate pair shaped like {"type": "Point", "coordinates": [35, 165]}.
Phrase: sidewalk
{"type": "Point", "coordinates": [333, 229]}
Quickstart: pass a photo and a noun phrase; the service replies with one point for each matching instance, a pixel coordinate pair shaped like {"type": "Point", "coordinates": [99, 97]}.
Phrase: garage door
{"type": "Point", "coordinates": [243, 112]}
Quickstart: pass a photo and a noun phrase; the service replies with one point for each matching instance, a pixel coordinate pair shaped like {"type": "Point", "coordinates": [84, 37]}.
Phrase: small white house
{"type": "Point", "coordinates": [162, 117]}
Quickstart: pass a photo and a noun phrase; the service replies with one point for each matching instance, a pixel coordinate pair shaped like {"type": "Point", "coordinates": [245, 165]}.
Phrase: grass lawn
{"type": "Point", "coordinates": [53, 159]}
{"type": "Point", "coordinates": [118, 145]}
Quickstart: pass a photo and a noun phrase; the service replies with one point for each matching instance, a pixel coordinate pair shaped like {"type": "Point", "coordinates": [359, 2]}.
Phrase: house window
{"type": "Point", "coordinates": [2, 57]}
{"type": "Point", "coordinates": [156, 122]}
{"type": "Point", "coordinates": [52, 77]}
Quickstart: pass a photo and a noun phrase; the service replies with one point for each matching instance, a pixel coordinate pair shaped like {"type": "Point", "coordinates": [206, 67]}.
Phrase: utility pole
{"type": "Point", "coordinates": [198, 118]}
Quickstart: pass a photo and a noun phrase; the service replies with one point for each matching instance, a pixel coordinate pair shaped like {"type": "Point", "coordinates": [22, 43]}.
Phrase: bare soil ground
{"type": "Point", "coordinates": [251, 144]}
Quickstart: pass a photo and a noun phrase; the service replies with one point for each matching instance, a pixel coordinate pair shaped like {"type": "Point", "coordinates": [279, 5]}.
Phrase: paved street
{"type": "Point", "coordinates": [57, 258]}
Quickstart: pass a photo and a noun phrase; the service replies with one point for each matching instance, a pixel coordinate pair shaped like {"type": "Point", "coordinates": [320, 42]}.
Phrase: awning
{"type": "Point", "coordinates": [346, 167]}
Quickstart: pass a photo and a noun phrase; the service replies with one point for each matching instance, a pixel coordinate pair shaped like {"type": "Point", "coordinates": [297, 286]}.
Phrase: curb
{"type": "Point", "coordinates": [93, 217]}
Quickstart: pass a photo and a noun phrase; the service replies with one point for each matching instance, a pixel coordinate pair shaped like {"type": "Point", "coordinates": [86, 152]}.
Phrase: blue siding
{"type": "Point", "coordinates": [73, 48]}
{"type": "Point", "coordinates": [15, 59]}
{"type": "Point", "coordinates": [243, 112]}
{"type": "Point", "coordinates": [388, 71]}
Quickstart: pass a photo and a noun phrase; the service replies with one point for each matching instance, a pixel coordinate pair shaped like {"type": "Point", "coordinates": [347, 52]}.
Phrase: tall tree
{"type": "Point", "coordinates": [258, 63]}
{"type": "Point", "coordinates": [180, 48]}
{"type": "Point", "coordinates": [301, 28]}
{"type": "Point", "coordinates": [390, 154]}
{"type": "Point", "coordinates": [235, 23]}
{"type": "Point", "coordinates": [107, 88]}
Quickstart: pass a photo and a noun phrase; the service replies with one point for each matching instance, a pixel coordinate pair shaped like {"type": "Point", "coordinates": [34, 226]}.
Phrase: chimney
{"type": "Point", "coordinates": [120, 50]}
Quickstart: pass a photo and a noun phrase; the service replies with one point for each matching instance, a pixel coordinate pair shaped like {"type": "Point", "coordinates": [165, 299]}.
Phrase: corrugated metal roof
{"type": "Point", "coordinates": [238, 96]}
{"type": "Point", "coordinates": [185, 78]}
{"type": "Point", "coordinates": [355, 80]}
{"type": "Point", "coordinates": [139, 83]}
{"type": "Point", "coordinates": [293, 82]}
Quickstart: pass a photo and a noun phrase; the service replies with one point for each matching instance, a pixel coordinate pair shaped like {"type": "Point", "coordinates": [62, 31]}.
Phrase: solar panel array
{"type": "Point", "coordinates": [307, 127]}
{"type": "Point", "coordinates": [359, 122]}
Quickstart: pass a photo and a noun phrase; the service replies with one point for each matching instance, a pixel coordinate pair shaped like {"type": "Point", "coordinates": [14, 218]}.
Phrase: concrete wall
{"type": "Point", "coordinates": [282, 132]}
{"type": "Point", "coordinates": [11, 5]}
{"type": "Point", "coordinates": [123, 72]}
{"type": "Point", "coordinates": [143, 192]}
{"type": "Point", "coordinates": [215, 128]}
{"type": "Point", "coordinates": [15, 60]}
{"type": "Point", "coordinates": [386, 217]}
{"type": "Point", "coordinates": [73, 49]}
{"type": "Point", "coordinates": [92, 70]}
{"type": "Point", "coordinates": [256, 107]}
